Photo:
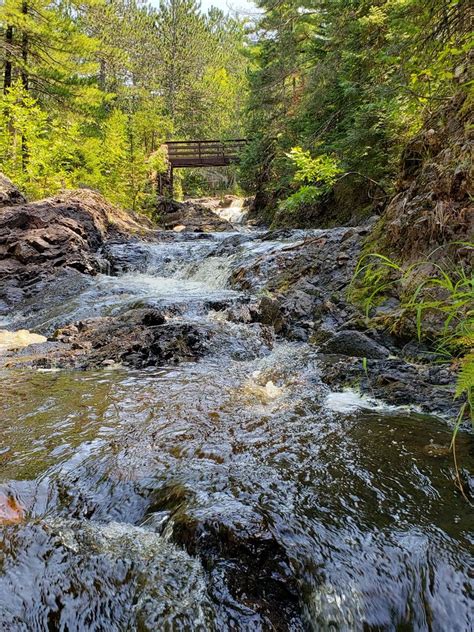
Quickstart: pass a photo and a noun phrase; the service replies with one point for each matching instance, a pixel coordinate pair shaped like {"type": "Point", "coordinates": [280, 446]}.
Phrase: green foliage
{"type": "Point", "coordinates": [465, 383]}
{"type": "Point", "coordinates": [303, 198]}
{"type": "Point", "coordinates": [316, 174]}
{"type": "Point", "coordinates": [91, 90]}
{"type": "Point", "coordinates": [320, 170]}
{"type": "Point", "coordinates": [353, 80]}
{"type": "Point", "coordinates": [447, 291]}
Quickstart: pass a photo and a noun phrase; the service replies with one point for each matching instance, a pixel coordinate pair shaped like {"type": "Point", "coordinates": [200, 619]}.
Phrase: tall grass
{"type": "Point", "coordinates": [446, 290]}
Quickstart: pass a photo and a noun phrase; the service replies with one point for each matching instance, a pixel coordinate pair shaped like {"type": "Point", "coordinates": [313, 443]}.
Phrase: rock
{"type": "Point", "coordinates": [269, 312]}
{"type": "Point", "coordinates": [434, 183]}
{"type": "Point", "coordinates": [418, 352]}
{"type": "Point", "coordinates": [18, 339]}
{"type": "Point", "coordinates": [65, 231]}
{"type": "Point", "coordinates": [189, 216]}
{"type": "Point", "coordinates": [136, 338]}
{"type": "Point", "coordinates": [11, 512]}
{"type": "Point", "coordinates": [246, 561]}
{"type": "Point", "coordinates": [307, 278]}
{"type": "Point", "coordinates": [355, 344]}
{"type": "Point", "coordinates": [394, 381]}
{"type": "Point", "coordinates": [9, 194]}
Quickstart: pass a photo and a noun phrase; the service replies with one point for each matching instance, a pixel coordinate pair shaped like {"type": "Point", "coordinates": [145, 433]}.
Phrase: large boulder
{"type": "Point", "coordinates": [9, 194]}
{"type": "Point", "coordinates": [64, 231]}
{"type": "Point", "coordinates": [355, 344]}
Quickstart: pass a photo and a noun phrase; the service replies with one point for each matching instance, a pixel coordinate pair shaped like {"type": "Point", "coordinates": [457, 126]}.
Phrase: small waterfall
{"type": "Point", "coordinates": [235, 213]}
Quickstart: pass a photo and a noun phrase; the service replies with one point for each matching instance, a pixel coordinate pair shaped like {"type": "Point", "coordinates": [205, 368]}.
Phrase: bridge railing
{"type": "Point", "coordinates": [196, 152]}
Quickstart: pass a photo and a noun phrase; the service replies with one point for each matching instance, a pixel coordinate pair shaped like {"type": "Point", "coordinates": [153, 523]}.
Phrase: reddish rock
{"type": "Point", "coordinates": [11, 512]}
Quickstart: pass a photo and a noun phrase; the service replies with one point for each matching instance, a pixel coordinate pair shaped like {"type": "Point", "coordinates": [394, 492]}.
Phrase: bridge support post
{"type": "Point", "coordinates": [164, 185]}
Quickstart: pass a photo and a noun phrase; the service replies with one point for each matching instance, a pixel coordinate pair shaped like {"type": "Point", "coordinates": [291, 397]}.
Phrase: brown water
{"type": "Point", "coordinates": [235, 493]}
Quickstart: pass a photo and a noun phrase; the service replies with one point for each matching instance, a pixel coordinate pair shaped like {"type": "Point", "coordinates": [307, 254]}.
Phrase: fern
{"type": "Point", "coordinates": [465, 382]}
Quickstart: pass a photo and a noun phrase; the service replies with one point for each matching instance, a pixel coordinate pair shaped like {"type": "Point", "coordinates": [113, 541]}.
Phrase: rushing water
{"type": "Point", "coordinates": [234, 493]}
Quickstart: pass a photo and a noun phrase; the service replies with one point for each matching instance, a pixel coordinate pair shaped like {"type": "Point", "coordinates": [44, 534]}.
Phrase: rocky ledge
{"type": "Point", "coordinates": [66, 231]}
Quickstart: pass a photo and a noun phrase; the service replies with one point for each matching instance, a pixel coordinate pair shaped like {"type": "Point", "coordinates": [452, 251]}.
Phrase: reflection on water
{"type": "Point", "coordinates": [226, 495]}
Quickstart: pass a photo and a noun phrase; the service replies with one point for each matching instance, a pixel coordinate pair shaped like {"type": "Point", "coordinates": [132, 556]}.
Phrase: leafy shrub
{"type": "Point", "coordinates": [321, 170]}
{"type": "Point", "coordinates": [317, 175]}
{"type": "Point", "coordinates": [304, 197]}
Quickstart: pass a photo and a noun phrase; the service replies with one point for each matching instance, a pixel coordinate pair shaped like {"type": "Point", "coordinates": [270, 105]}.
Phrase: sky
{"type": "Point", "coordinates": [241, 6]}
{"type": "Point", "coordinates": [246, 6]}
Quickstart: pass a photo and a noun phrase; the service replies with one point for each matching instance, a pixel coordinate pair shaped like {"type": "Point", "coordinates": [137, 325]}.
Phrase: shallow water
{"type": "Point", "coordinates": [235, 493]}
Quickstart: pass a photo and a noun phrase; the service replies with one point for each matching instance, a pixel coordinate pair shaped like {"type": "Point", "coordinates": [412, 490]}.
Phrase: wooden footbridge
{"type": "Point", "coordinates": [199, 153]}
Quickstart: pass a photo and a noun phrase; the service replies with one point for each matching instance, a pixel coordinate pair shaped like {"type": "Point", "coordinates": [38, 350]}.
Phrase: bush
{"type": "Point", "coordinates": [304, 197]}
{"type": "Point", "coordinates": [317, 175]}
{"type": "Point", "coordinates": [320, 171]}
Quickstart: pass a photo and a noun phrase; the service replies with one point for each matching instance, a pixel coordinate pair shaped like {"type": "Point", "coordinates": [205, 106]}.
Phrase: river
{"type": "Point", "coordinates": [236, 492]}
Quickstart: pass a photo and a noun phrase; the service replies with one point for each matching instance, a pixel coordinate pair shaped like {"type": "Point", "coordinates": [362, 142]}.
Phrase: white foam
{"type": "Point", "coordinates": [349, 400]}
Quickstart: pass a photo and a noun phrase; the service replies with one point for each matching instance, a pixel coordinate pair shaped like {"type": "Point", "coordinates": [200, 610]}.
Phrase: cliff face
{"type": "Point", "coordinates": [433, 204]}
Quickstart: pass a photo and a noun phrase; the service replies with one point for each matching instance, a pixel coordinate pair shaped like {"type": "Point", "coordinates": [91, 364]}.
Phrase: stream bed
{"type": "Point", "coordinates": [236, 492]}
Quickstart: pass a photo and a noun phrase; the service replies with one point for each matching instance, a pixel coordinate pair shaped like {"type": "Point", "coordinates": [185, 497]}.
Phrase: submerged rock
{"type": "Point", "coordinates": [246, 565]}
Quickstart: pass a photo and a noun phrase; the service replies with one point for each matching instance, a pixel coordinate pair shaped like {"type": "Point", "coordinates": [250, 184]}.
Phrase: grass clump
{"type": "Point", "coordinates": [439, 300]}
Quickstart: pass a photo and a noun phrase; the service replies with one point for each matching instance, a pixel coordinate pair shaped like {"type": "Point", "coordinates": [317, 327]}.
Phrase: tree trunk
{"type": "Point", "coordinates": [24, 49]}
{"type": "Point", "coordinates": [7, 77]}
{"type": "Point", "coordinates": [24, 81]}
{"type": "Point", "coordinates": [102, 75]}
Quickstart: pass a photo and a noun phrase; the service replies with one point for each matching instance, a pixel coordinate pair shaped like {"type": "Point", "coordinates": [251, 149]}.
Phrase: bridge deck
{"type": "Point", "coordinates": [204, 153]}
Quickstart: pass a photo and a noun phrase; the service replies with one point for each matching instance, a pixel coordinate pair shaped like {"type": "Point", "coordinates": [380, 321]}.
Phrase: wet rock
{"type": "Point", "coordinates": [137, 338]}
{"type": "Point", "coordinates": [229, 244]}
{"type": "Point", "coordinates": [394, 381]}
{"type": "Point", "coordinates": [65, 231]}
{"type": "Point", "coordinates": [9, 194]}
{"type": "Point", "coordinates": [268, 311]}
{"type": "Point", "coordinates": [356, 344]}
{"type": "Point", "coordinates": [307, 278]}
{"type": "Point", "coordinates": [247, 566]}
{"type": "Point", "coordinates": [42, 304]}
{"type": "Point", "coordinates": [189, 217]}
